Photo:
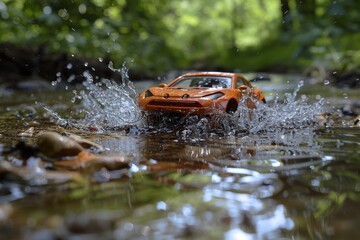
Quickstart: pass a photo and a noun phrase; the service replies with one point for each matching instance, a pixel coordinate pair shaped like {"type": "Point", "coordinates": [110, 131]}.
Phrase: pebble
{"type": "Point", "coordinates": [357, 121]}
{"type": "Point", "coordinates": [27, 133]}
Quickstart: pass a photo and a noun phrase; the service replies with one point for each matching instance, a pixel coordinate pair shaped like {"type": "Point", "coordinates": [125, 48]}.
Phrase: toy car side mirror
{"type": "Point", "coordinates": [244, 88]}
{"type": "Point", "coordinates": [162, 85]}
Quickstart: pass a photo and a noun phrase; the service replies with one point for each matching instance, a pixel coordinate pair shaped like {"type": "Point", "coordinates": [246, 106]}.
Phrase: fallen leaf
{"type": "Point", "coordinates": [86, 159]}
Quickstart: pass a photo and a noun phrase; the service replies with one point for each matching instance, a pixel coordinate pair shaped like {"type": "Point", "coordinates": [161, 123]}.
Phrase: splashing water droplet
{"type": "Point", "coordinates": [291, 114]}
{"type": "Point", "coordinates": [109, 104]}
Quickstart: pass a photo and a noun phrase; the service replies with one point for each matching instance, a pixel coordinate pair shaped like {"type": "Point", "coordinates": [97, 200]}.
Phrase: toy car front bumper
{"type": "Point", "coordinates": [189, 106]}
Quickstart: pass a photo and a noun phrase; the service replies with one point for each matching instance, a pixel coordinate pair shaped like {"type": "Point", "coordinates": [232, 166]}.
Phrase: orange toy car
{"type": "Point", "coordinates": [200, 93]}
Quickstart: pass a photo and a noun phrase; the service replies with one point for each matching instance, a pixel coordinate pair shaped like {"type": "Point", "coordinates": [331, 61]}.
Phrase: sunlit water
{"type": "Point", "coordinates": [269, 173]}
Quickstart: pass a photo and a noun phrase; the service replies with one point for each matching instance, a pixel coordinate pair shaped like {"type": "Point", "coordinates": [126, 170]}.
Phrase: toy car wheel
{"type": "Point", "coordinates": [232, 106]}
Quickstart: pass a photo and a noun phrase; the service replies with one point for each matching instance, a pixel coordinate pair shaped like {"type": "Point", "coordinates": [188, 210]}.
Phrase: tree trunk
{"type": "Point", "coordinates": [286, 16]}
{"type": "Point", "coordinates": [306, 8]}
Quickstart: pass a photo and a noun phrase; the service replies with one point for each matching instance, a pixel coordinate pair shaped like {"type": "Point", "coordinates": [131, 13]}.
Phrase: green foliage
{"type": "Point", "coordinates": [157, 35]}
{"type": "Point", "coordinates": [330, 37]}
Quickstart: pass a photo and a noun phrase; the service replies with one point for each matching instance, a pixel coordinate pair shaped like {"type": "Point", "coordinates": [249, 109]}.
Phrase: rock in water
{"type": "Point", "coordinates": [54, 145]}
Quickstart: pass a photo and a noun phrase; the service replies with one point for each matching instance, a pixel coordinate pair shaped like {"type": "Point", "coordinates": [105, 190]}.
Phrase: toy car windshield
{"type": "Point", "coordinates": [203, 82]}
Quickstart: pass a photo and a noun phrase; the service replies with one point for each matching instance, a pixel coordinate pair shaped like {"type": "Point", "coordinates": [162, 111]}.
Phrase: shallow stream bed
{"type": "Point", "coordinates": [181, 179]}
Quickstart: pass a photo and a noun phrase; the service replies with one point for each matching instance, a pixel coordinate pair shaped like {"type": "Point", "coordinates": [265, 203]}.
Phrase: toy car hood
{"type": "Point", "coordinates": [180, 92]}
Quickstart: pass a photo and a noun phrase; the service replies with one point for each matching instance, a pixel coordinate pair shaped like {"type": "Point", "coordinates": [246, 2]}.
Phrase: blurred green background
{"type": "Point", "coordinates": [155, 36]}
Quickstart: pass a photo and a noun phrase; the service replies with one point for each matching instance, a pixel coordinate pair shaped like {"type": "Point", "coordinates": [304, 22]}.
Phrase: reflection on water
{"type": "Point", "coordinates": [188, 178]}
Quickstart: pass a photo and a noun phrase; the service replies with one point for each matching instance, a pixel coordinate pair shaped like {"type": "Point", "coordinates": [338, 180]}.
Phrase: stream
{"type": "Point", "coordinates": [286, 174]}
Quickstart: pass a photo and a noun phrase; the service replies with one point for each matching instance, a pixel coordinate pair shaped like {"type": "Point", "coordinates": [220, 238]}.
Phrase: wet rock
{"type": "Point", "coordinates": [324, 120]}
{"type": "Point", "coordinates": [25, 150]}
{"type": "Point", "coordinates": [5, 211]}
{"type": "Point", "coordinates": [35, 174]}
{"type": "Point", "coordinates": [347, 110]}
{"type": "Point", "coordinates": [27, 133]}
{"type": "Point", "coordinates": [349, 79]}
{"type": "Point", "coordinates": [43, 234]}
{"type": "Point", "coordinates": [105, 175]}
{"type": "Point", "coordinates": [34, 84]}
{"type": "Point", "coordinates": [357, 121]}
{"type": "Point", "coordinates": [54, 145]}
{"type": "Point", "coordinates": [84, 142]}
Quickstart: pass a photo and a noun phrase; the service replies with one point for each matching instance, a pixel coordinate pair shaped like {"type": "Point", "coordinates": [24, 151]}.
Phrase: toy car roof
{"type": "Point", "coordinates": [219, 74]}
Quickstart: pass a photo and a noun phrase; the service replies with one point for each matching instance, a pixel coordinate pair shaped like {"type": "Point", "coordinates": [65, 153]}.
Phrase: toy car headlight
{"type": "Point", "coordinates": [148, 94]}
{"type": "Point", "coordinates": [214, 96]}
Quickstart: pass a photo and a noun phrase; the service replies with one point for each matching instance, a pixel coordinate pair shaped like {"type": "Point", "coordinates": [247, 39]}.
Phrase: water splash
{"type": "Point", "coordinates": [101, 105]}
{"type": "Point", "coordinates": [110, 105]}
{"type": "Point", "coordinates": [273, 121]}
{"type": "Point", "coordinates": [292, 113]}
{"type": "Point", "coordinates": [105, 104]}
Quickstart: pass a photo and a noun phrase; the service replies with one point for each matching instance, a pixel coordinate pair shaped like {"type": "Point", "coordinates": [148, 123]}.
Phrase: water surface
{"type": "Point", "coordinates": [284, 177]}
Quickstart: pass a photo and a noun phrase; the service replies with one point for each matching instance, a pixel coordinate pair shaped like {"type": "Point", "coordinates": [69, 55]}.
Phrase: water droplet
{"type": "Point", "coordinates": [128, 226]}
{"type": "Point", "coordinates": [161, 206]}
{"type": "Point", "coordinates": [82, 8]}
{"type": "Point", "coordinates": [326, 82]}
{"type": "Point", "coordinates": [100, 59]}
{"type": "Point", "coordinates": [334, 72]}
{"type": "Point", "coordinates": [58, 74]}
{"type": "Point", "coordinates": [47, 10]}
{"type": "Point", "coordinates": [69, 66]}
{"type": "Point", "coordinates": [71, 78]}
{"type": "Point", "coordinates": [86, 64]}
